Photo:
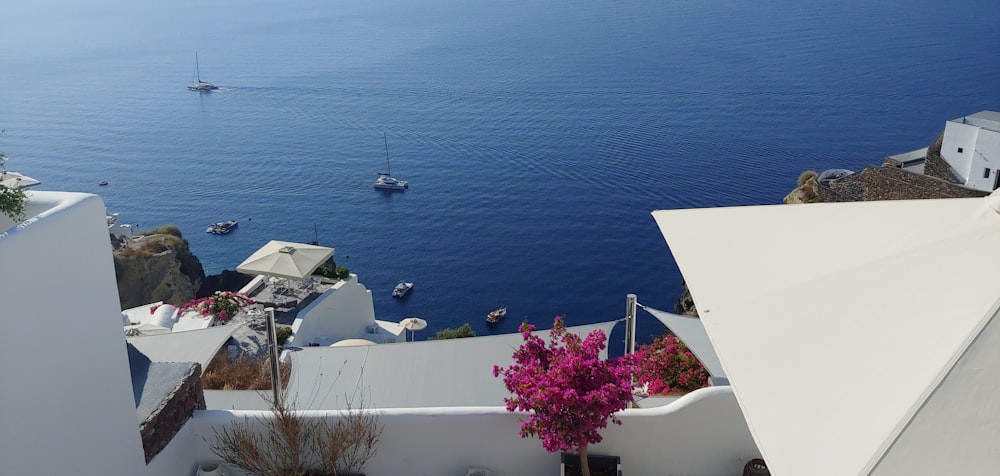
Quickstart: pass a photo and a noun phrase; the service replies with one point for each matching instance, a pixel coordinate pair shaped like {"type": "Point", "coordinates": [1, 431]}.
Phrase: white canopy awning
{"type": "Point", "coordinates": [435, 373]}
{"type": "Point", "coordinates": [16, 180]}
{"type": "Point", "coordinates": [692, 333]}
{"type": "Point", "coordinates": [198, 345]}
{"type": "Point", "coordinates": [859, 338]}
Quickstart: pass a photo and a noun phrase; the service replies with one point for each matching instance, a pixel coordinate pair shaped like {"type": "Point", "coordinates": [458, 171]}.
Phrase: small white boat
{"type": "Point", "coordinates": [385, 181]}
{"type": "Point", "coordinates": [496, 315]}
{"type": "Point", "coordinates": [401, 289]}
{"type": "Point", "coordinates": [222, 227]}
{"type": "Point", "coordinates": [200, 85]}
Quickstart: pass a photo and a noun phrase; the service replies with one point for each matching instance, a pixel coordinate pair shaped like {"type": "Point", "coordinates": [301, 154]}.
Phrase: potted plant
{"type": "Point", "coordinates": [568, 390]}
{"type": "Point", "coordinates": [289, 443]}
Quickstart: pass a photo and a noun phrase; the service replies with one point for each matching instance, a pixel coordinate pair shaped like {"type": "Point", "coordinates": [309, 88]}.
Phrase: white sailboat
{"type": "Point", "coordinates": [200, 85]}
{"type": "Point", "coordinates": [385, 181]}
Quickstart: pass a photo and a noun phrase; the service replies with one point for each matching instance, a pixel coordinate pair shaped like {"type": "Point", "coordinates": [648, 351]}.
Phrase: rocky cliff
{"type": "Point", "coordinates": [156, 266]}
{"type": "Point", "coordinates": [888, 182]}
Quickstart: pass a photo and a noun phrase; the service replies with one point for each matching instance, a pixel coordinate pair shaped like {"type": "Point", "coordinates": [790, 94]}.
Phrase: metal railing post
{"type": "Point", "coordinates": [272, 349]}
{"type": "Point", "coordinates": [630, 308]}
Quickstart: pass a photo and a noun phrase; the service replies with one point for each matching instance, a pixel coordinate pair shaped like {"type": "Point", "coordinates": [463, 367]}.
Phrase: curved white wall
{"type": "Point", "coordinates": [343, 312]}
{"type": "Point", "coordinates": [66, 402]}
{"type": "Point", "coordinates": [701, 434]}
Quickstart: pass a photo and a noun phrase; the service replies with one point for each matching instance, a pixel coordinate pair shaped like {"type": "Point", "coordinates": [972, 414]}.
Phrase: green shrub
{"type": "Point", "coordinates": [12, 202]}
{"type": "Point", "coordinates": [343, 272]}
{"type": "Point", "coordinates": [449, 333]}
{"type": "Point", "coordinates": [805, 176]}
{"type": "Point", "coordinates": [283, 333]}
{"type": "Point", "coordinates": [166, 230]}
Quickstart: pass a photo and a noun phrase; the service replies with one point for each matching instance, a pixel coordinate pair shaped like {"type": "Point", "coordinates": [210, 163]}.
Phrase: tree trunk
{"type": "Point", "coordinates": [584, 461]}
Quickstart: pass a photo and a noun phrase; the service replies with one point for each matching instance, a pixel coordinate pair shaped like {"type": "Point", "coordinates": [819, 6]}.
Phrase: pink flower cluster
{"type": "Point", "coordinates": [224, 304]}
{"type": "Point", "coordinates": [667, 366]}
{"type": "Point", "coordinates": [568, 389]}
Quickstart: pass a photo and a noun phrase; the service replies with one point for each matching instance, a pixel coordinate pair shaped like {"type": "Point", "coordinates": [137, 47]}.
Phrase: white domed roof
{"type": "Point", "coordinates": [164, 316]}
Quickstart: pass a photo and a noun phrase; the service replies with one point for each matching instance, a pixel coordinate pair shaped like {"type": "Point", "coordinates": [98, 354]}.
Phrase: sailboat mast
{"type": "Point", "coordinates": [197, 69]}
{"type": "Point", "coordinates": [387, 167]}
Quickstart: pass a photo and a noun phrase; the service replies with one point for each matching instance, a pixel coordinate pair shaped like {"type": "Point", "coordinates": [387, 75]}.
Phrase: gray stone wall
{"type": "Point", "coordinates": [175, 410]}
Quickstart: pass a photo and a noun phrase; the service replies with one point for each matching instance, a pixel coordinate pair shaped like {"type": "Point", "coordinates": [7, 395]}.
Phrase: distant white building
{"type": "Point", "coordinates": [971, 146]}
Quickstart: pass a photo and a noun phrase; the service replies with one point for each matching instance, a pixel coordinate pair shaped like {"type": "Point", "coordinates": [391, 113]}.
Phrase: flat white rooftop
{"type": "Point", "coordinates": [985, 119]}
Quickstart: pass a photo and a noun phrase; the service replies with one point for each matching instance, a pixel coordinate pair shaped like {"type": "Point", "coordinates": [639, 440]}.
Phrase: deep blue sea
{"type": "Point", "coordinates": [537, 136]}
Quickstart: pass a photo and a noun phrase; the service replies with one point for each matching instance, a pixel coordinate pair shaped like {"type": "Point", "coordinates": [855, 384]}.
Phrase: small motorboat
{"type": "Point", "coordinates": [401, 289]}
{"type": "Point", "coordinates": [102, 183]}
{"type": "Point", "coordinates": [222, 227]}
{"type": "Point", "coordinates": [496, 315]}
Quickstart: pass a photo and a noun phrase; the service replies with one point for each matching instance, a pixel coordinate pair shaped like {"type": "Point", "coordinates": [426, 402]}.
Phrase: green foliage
{"type": "Point", "coordinates": [805, 176]}
{"type": "Point", "coordinates": [326, 270]}
{"type": "Point", "coordinates": [12, 202]}
{"type": "Point", "coordinates": [166, 230]}
{"type": "Point", "coordinates": [464, 331]}
{"type": "Point", "coordinates": [343, 272]}
{"type": "Point", "coordinates": [283, 333]}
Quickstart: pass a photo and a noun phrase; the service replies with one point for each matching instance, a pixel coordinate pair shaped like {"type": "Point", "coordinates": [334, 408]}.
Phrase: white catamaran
{"type": "Point", "coordinates": [385, 181]}
{"type": "Point", "coordinates": [200, 85]}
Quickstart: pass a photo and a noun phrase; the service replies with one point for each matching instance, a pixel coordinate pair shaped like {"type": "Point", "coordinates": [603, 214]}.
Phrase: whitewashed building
{"type": "Point", "coordinates": [69, 374]}
{"type": "Point", "coordinates": [971, 146]}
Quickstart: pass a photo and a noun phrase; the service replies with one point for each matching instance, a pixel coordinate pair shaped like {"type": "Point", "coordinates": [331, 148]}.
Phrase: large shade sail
{"type": "Point", "coordinates": [692, 333]}
{"type": "Point", "coordinates": [859, 338]}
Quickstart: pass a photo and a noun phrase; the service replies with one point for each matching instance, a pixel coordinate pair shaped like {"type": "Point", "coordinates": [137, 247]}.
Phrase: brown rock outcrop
{"type": "Point", "coordinates": [157, 266]}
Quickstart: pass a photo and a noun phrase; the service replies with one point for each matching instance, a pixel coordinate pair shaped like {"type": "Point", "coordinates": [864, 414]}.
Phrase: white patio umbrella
{"type": "Point", "coordinates": [859, 338]}
{"type": "Point", "coordinates": [286, 259]}
{"type": "Point", "coordinates": [413, 324]}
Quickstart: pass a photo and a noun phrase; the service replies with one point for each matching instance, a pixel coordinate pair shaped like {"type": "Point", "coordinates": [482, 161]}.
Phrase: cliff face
{"type": "Point", "coordinates": [157, 267]}
{"type": "Point", "coordinates": [889, 182]}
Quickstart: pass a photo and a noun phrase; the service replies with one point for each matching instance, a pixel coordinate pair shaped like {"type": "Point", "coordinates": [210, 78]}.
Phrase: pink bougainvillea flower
{"type": "Point", "coordinates": [568, 390]}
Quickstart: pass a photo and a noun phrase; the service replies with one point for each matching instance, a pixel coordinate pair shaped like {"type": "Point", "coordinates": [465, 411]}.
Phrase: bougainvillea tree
{"type": "Point", "coordinates": [667, 366]}
{"type": "Point", "coordinates": [568, 390]}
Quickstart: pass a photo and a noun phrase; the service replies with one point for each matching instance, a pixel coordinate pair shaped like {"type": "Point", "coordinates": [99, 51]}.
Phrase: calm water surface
{"type": "Point", "coordinates": [537, 136]}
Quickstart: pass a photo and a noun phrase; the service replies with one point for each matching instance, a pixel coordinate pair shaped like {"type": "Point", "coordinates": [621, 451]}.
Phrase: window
{"type": "Point", "coordinates": [986, 173]}
{"type": "Point", "coordinates": [959, 150]}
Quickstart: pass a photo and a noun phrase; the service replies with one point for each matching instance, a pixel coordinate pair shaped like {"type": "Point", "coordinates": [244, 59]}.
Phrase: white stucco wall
{"type": "Point", "coordinates": [958, 135]}
{"type": "Point", "coordinates": [66, 402]}
{"type": "Point", "coordinates": [985, 154]}
{"type": "Point", "coordinates": [980, 150]}
{"type": "Point", "coordinates": [343, 312]}
{"type": "Point", "coordinates": [701, 434]}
